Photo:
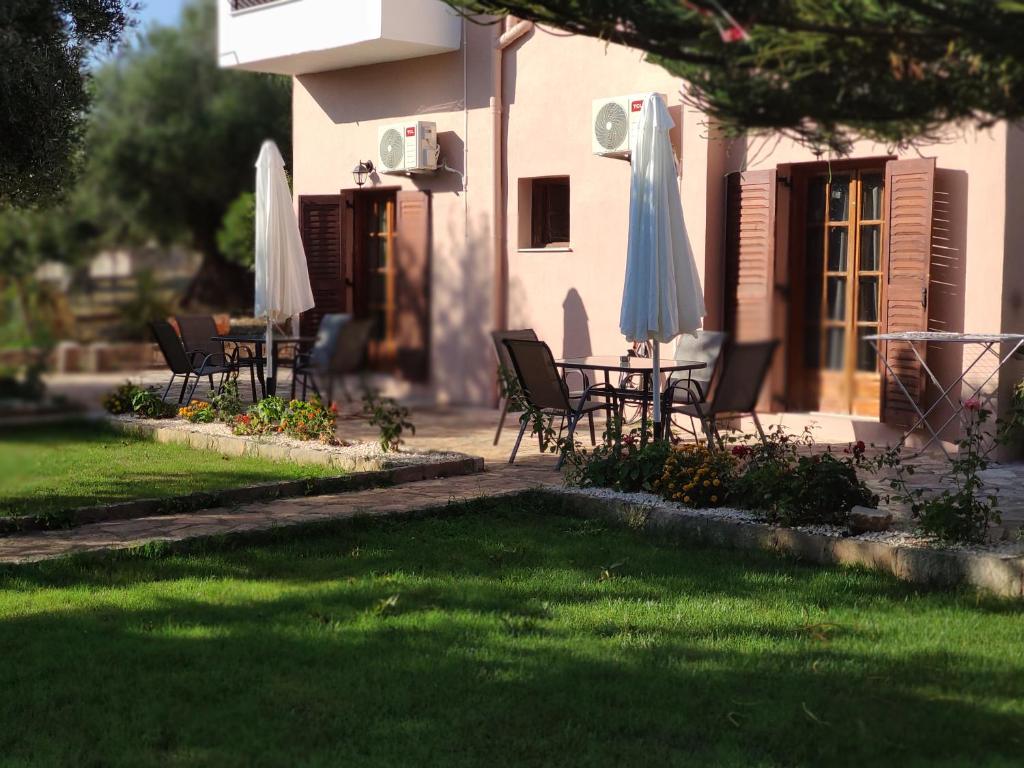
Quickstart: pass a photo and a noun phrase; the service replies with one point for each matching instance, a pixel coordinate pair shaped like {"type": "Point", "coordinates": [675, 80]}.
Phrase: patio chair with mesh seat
{"type": "Point", "coordinates": [693, 388]}
{"type": "Point", "coordinates": [185, 364]}
{"type": "Point", "coordinates": [545, 390]}
{"type": "Point", "coordinates": [197, 335]}
{"type": "Point", "coordinates": [505, 364]}
{"type": "Point", "coordinates": [340, 348]}
{"type": "Point", "coordinates": [741, 373]}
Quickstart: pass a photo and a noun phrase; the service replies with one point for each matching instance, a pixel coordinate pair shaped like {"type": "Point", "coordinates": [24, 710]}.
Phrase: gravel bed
{"type": "Point", "coordinates": [894, 538]}
{"type": "Point", "coordinates": [343, 449]}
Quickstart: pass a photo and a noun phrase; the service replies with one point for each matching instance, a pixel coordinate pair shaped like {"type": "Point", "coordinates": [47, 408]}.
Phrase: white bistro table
{"type": "Point", "coordinates": [989, 344]}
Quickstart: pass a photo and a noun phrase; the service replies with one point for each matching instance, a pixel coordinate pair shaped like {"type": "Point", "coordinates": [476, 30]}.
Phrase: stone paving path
{"type": "Point", "coordinates": [465, 430]}
{"type": "Point", "coordinates": [124, 534]}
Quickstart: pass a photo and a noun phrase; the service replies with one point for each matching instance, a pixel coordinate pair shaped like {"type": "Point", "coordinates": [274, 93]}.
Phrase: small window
{"type": "Point", "coordinates": [547, 203]}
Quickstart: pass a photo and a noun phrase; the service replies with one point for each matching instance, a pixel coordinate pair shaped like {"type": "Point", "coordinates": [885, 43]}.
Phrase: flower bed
{"type": "Point", "coordinates": [996, 567]}
{"type": "Point", "coordinates": [780, 480]}
{"type": "Point", "coordinates": [311, 421]}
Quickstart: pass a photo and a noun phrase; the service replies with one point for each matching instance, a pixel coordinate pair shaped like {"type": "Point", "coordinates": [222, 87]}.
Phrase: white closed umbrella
{"type": "Point", "coordinates": [662, 296]}
{"type": "Point", "coordinates": [282, 280]}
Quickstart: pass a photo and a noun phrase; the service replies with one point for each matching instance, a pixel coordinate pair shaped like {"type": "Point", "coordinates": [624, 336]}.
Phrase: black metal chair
{"type": "Point", "coordinates": [545, 390]}
{"type": "Point", "coordinates": [186, 364]}
{"type": "Point", "coordinates": [741, 374]}
{"type": "Point", "coordinates": [340, 348]}
{"type": "Point", "coordinates": [694, 386]}
{"type": "Point", "coordinates": [197, 332]}
{"type": "Point", "coordinates": [505, 363]}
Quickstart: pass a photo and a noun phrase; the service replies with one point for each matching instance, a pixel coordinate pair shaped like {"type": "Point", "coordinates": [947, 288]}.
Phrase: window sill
{"type": "Point", "coordinates": [553, 249]}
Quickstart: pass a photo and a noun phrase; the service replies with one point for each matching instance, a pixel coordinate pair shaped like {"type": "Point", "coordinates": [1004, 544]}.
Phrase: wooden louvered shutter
{"type": "Point", "coordinates": [906, 257]}
{"type": "Point", "coordinates": [324, 240]}
{"type": "Point", "coordinates": [750, 255]}
{"type": "Point", "coordinates": [412, 284]}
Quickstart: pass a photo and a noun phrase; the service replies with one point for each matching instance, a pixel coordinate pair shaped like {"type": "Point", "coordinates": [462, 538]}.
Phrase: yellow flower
{"type": "Point", "coordinates": [706, 483]}
{"type": "Point", "coordinates": [717, 482]}
{"type": "Point", "coordinates": [686, 499]}
{"type": "Point", "coordinates": [714, 499]}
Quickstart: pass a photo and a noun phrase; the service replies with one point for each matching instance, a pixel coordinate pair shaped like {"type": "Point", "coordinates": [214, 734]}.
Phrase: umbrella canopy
{"type": "Point", "coordinates": [662, 296]}
{"type": "Point", "coordinates": [282, 280]}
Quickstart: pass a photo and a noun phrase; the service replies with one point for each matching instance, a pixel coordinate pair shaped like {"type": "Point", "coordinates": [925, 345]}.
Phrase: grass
{"type": "Point", "coordinates": [53, 467]}
{"type": "Point", "coordinates": [506, 635]}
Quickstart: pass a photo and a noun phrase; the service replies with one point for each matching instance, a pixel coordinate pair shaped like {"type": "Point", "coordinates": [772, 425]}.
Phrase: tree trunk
{"type": "Point", "coordinates": [219, 284]}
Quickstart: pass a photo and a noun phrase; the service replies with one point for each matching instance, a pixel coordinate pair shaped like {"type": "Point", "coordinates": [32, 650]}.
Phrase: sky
{"type": "Point", "coordinates": [159, 11]}
{"type": "Point", "coordinates": [165, 12]}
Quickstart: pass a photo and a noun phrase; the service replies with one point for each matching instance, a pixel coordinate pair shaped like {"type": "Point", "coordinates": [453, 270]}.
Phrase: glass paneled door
{"type": "Point", "coordinates": [843, 258]}
{"type": "Point", "coordinates": [375, 273]}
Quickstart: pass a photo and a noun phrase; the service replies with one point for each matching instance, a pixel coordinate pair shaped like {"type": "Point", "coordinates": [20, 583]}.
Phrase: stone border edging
{"type": "Point", "coordinates": [315, 486]}
{"type": "Point", "coordinates": [1000, 574]}
{"type": "Point", "coordinates": [239, 445]}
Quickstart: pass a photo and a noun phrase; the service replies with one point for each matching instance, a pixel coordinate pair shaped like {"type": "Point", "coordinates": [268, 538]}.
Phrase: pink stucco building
{"type": "Point", "coordinates": [522, 225]}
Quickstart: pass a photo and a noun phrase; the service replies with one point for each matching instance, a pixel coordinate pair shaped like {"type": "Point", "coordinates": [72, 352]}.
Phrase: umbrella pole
{"type": "Point", "coordinates": [656, 386]}
{"type": "Point", "coordinates": [271, 384]}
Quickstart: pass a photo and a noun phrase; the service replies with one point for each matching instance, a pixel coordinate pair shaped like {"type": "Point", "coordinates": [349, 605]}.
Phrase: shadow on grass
{"type": "Point", "coordinates": [505, 637]}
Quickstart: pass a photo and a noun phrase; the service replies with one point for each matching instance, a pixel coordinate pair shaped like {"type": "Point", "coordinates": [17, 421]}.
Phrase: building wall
{"type": "Point", "coordinates": [966, 283]}
{"type": "Point", "coordinates": [572, 297]}
{"type": "Point", "coordinates": [336, 117]}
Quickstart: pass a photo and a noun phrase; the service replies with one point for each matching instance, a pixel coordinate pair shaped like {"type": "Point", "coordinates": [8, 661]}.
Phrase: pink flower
{"type": "Point", "coordinates": [973, 404]}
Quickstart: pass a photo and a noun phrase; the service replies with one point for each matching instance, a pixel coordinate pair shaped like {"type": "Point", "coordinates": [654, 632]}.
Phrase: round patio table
{"type": "Point", "coordinates": [632, 365]}
{"type": "Point", "coordinates": [268, 386]}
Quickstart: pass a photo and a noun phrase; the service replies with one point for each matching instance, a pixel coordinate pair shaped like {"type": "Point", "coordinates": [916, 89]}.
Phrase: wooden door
{"type": "Point", "coordinates": [842, 289]}
{"type": "Point", "coordinates": [374, 279]}
{"type": "Point", "coordinates": [392, 279]}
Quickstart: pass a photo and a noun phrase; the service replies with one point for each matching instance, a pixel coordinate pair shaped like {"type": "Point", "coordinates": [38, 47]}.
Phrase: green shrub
{"type": "Point", "coordinates": [964, 512]}
{"type": "Point", "coordinates": [309, 421]}
{"type": "Point", "coordinates": [146, 404]}
{"type": "Point", "coordinates": [783, 480]}
{"type": "Point", "coordinates": [228, 402]}
{"type": "Point", "coordinates": [389, 417]}
{"type": "Point", "coordinates": [620, 463]}
{"type": "Point", "coordinates": [120, 400]}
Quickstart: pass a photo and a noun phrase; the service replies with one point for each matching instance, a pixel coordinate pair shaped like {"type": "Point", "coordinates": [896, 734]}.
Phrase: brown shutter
{"type": "Point", "coordinates": [412, 283]}
{"type": "Point", "coordinates": [906, 256]}
{"type": "Point", "coordinates": [750, 255]}
{"type": "Point", "coordinates": [324, 240]}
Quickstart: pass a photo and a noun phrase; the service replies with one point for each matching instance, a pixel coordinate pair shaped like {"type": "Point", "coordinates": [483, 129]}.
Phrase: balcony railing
{"type": "Point", "coordinates": [241, 5]}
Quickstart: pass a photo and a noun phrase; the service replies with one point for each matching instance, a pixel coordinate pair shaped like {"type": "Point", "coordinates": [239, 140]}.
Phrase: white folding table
{"type": "Point", "coordinates": [989, 344]}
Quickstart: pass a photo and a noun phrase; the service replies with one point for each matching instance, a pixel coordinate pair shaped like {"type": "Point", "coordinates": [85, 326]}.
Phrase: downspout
{"type": "Point", "coordinates": [513, 32]}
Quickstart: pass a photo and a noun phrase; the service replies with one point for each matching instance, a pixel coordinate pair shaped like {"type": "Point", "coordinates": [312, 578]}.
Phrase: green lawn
{"type": "Point", "coordinates": [51, 467]}
{"type": "Point", "coordinates": [506, 635]}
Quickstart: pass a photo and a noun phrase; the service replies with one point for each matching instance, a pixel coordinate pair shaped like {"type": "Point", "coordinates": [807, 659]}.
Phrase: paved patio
{"type": "Point", "coordinates": [468, 430]}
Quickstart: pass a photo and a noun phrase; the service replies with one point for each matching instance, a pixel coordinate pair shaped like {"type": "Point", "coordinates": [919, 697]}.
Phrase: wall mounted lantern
{"type": "Point", "coordinates": [361, 171]}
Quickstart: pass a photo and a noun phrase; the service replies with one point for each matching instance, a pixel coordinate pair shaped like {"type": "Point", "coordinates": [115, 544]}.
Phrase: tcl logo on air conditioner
{"type": "Point", "coordinates": [613, 123]}
{"type": "Point", "coordinates": [405, 148]}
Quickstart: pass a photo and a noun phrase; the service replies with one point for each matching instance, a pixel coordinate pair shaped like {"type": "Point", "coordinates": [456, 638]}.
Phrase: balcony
{"type": "Point", "coordinates": [296, 37]}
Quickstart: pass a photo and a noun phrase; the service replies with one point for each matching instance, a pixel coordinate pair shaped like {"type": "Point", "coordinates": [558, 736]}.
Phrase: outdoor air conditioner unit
{"type": "Point", "coordinates": [409, 147]}
{"type": "Point", "coordinates": [613, 124]}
